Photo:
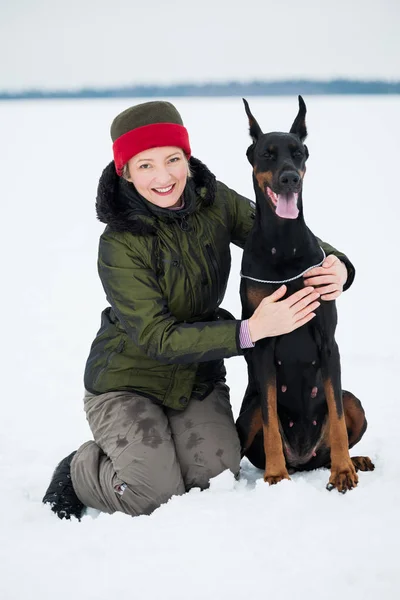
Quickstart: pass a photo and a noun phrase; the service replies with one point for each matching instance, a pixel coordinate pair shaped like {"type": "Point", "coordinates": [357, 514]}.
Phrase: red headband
{"type": "Point", "coordinates": [149, 136]}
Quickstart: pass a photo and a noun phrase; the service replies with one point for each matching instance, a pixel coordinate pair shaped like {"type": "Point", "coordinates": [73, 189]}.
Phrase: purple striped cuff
{"type": "Point", "coordinates": [244, 335]}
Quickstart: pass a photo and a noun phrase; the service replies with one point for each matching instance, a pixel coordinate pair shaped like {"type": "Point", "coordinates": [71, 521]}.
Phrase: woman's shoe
{"type": "Point", "coordinates": [61, 494]}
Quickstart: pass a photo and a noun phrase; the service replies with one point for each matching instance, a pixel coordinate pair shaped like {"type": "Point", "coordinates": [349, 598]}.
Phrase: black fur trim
{"type": "Point", "coordinates": [203, 178]}
{"type": "Point", "coordinates": [113, 208]}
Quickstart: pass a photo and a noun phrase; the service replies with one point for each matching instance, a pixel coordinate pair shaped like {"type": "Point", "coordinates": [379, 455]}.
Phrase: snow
{"type": "Point", "coordinates": [239, 539]}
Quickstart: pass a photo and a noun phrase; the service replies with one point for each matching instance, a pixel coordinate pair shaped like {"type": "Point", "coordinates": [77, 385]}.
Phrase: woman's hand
{"type": "Point", "coordinates": [273, 318]}
{"type": "Point", "coordinates": [329, 278]}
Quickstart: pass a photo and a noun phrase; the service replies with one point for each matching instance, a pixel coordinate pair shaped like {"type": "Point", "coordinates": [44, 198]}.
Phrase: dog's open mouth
{"type": "Point", "coordinates": [285, 204]}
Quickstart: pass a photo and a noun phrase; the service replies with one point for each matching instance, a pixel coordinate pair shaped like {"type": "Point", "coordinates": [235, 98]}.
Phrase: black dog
{"type": "Point", "coordinates": [294, 414]}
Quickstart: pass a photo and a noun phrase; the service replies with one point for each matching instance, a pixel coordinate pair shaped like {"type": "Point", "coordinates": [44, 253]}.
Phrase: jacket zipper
{"type": "Point", "coordinates": [214, 271]}
{"type": "Point", "coordinates": [184, 225]}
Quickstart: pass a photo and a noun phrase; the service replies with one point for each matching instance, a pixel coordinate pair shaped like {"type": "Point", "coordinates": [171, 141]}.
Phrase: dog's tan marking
{"type": "Point", "coordinates": [263, 178]}
{"type": "Point", "coordinates": [343, 474]}
{"type": "Point", "coordinates": [275, 464]}
{"type": "Point", "coordinates": [362, 463]}
{"type": "Point", "coordinates": [255, 427]}
{"type": "Point", "coordinates": [356, 424]}
{"type": "Point", "coordinates": [255, 295]}
{"type": "Point", "coordinates": [355, 417]}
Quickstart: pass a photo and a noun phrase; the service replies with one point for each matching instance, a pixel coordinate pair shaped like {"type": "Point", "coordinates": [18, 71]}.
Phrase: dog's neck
{"type": "Point", "coordinates": [282, 248]}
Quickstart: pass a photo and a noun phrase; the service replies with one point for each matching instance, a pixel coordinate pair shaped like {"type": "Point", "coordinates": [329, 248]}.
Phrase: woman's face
{"type": "Point", "coordinates": [159, 175]}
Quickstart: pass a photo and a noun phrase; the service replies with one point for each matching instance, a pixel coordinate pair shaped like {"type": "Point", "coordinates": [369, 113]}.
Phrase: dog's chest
{"type": "Point", "coordinates": [252, 293]}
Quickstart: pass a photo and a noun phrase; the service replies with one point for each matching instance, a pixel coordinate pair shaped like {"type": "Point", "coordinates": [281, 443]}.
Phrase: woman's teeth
{"type": "Point", "coordinates": [164, 190]}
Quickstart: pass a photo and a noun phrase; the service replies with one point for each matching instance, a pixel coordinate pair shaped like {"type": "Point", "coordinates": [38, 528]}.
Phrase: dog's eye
{"type": "Point", "coordinates": [297, 154]}
{"type": "Point", "coordinates": [269, 155]}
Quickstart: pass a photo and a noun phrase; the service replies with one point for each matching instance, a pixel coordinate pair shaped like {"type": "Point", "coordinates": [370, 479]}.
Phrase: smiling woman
{"type": "Point", "coordinates": [159, 175]}
{"type": "Point", "coordinates": [155, 398]}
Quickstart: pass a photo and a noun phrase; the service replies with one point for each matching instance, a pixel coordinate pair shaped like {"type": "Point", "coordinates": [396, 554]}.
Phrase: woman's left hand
{"type": "Point", "coordinates": [329, 279]}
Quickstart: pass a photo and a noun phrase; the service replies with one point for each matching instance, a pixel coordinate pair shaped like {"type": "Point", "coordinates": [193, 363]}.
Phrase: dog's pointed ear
{"type": "Point", "coordinates": [255, 129]}
{"type": "Point", "coordinates": [299, 124]}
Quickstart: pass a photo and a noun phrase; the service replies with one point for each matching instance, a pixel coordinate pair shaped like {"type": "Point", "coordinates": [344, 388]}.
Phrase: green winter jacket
{"type": "Point", "coordinates": [165, 275]}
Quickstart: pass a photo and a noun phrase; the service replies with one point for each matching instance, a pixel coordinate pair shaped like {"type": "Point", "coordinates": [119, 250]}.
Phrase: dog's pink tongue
{"type": "Point", "coordinates": [287, 206]}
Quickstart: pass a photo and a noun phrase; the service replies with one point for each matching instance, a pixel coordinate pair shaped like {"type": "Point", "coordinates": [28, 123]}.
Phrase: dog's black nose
{"type": "Point", "coordinates": [289, 178]}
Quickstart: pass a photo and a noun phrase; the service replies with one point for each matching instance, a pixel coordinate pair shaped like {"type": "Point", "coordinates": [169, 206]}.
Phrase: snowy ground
{"type": "Point", "coordinates": [238, 539]}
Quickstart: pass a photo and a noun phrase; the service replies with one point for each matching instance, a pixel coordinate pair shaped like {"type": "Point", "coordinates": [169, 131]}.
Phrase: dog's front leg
{"type": "Point", "coordinates": [265, 371]}
{"type": "Point", "coordinates": [343, 473]}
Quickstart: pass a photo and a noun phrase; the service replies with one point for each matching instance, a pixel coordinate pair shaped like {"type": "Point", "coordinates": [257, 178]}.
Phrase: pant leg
{"type": "Point", "coordinates": [205, 438]}
{"type": "Point", "coordinates": [131, 466]}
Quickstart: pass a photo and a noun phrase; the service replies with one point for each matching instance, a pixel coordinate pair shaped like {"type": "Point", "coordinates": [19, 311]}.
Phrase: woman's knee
{"type": "Point", "coordinates": [152, 480]}
{"type": "Point", "coordinates": [203, 466]}
{"type": "Point", "coordinates": [206, 439]}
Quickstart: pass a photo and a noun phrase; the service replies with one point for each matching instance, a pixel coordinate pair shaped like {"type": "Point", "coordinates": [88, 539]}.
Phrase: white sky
{"type": "Point", "coordinates": [68, 44]}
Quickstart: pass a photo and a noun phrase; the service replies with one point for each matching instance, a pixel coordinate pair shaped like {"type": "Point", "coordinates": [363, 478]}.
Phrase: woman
{"type": "Point", "coordinates": [156, 399]}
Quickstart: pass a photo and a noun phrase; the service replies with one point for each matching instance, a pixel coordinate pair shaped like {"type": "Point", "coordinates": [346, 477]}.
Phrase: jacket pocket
{"type": "Point", "coordinates": [120, 348]}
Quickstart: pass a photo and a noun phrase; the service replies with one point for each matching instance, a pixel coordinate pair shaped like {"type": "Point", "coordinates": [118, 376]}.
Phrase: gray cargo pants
{"type": "Point", "coordinates": [143, 454]}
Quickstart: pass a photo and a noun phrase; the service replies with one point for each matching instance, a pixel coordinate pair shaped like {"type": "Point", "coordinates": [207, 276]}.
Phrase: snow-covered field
{"type": "Point", "coordinates": [239, 539]}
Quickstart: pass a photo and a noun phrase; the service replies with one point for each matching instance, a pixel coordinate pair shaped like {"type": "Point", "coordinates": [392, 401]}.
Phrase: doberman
{"type": "Point", "coordinates": [294, 415]}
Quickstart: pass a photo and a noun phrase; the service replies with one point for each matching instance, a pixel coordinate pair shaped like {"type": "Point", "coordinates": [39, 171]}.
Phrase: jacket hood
{"type": "Point", "coordinates": [122, 208]}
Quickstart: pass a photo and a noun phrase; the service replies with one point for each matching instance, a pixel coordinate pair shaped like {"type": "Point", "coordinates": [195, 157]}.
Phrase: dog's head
{"type": "Point", "coordinates": [279, 163]}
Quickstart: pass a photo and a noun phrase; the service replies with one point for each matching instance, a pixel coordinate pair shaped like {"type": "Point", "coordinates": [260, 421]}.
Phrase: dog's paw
{"type": "Point", "coordinates": [274, 479]}
{"type": "Point", "coordinates": [362, 463]}
{"type": "Point", "coordinates": [343, 478]}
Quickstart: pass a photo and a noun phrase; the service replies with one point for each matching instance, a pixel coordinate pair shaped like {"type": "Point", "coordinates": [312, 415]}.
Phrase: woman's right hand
{"type": "Point", "coordinates": [275, 317]}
